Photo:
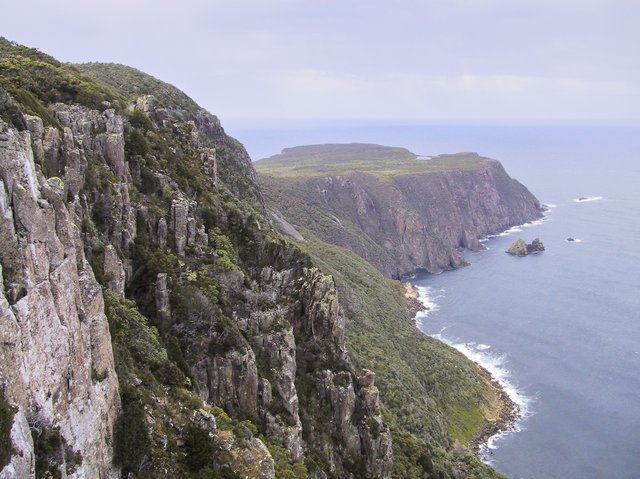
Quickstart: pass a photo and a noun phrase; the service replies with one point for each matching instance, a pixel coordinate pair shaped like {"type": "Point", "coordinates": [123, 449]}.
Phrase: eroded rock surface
{"type": "Point", "coordinates": [56, 364]}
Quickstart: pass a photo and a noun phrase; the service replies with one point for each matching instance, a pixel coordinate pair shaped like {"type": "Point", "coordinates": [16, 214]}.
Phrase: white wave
{"type": "Point", "coordinates": [514, 229]}
{"type": "Point", "coordinates": [585, 199]}
{"type": "Point", "coordinates": [534, 223]}
{"type": "Point", "coordinates": [496, 364]}
{"type": "Point", "coordinates": [428, 297]}
{"type": "Point", "coordinates": [573, 240]}
{"type": "Point", "coordinates": [549, 206]}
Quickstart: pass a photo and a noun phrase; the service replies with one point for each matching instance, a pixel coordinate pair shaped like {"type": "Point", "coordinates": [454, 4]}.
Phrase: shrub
{"type": "Point", "coordinates": [6, 421]}
{"type": "Point", "coordinates": [132, 446]}
{"type": "Point", "coordinates": [200, 449]}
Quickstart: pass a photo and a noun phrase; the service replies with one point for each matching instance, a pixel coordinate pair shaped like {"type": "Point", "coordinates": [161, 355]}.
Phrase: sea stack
{"type": "Point", "coordinates": [521, 248]}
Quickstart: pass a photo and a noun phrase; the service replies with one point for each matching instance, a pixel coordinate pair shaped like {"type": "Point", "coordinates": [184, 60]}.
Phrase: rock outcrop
{"type": "Point", "coordinates": [521, 248]}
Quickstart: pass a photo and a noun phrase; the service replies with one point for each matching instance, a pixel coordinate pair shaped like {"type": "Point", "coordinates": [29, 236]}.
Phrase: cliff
{"type": "Point", "coordinates": [155, 323]}
{"type": "Point", "coordinates": [57, 364]}
{"type": "Point", "coordinates": [398, 211]}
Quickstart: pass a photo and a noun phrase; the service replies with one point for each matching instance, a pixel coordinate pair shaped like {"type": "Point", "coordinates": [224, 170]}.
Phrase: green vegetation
{"type": "Point", "coordinates": [52, 452]}
{"type": "Point", "coordinates": [423, 383]}
{"type": "Point", "coordinates": [36, 80]}
{"type": "Point", "coordinates": [6, 421]}
{"type": "Point", "coordinates": [382, 161]}
{"type": "Point", "coordinates": [432, 397]}
{"type": "Point", "coordinates": [132, 83]}
{"type": "Point", "coordinates": [284, 466]}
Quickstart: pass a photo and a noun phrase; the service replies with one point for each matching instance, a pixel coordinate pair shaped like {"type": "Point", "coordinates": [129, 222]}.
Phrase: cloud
{"type": "Point", "coordinates": [312, 93]}
{"type": "Point", "coordinates": [467, 59]}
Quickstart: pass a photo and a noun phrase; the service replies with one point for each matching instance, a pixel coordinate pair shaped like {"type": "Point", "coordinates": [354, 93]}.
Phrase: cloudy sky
{"type": "Point", "coordinates": [437, 60]}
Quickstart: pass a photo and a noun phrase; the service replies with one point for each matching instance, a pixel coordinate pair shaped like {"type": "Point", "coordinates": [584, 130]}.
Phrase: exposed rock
{"type": "Point", "coordinates": [96, 134]}
{"type": "Point", "coordinates": [250, 457]}
{"type": "Point", "coordinates": [231, 381]}
{"type": "Point", "coordinates": [210, 165]}
{"type": "Point", "coordinates": [162, 297]}
{"type": "Point", "coordinates": [162, 233]}
{"type": "Point", "coordinates": [202, 238]}
{"type": "Point", "coordinates": [22, 459]}
{"type": "Point", "coordinates": [279, 347]}
{"type": "Point", "coordinates": [518, 248]}
{"type": "Point", "coordinates": [179, 219]}
{"type": "Point", "coordinates": [536, 246]}
{"type": "Point", "coordinates": [56, 357]}
{"type": "Point", "coordinates": [285, 226]}
{"type": "Point", "coordinates": [114, 270]}
{"type": "Point", "coordinates": [191, 231]}
{"type": "Point", "coordinates": [521, 248]}
{"type": "Point", "coordinates": [148, 105]}
{"type": "Point", "coordinates": [412, 295]}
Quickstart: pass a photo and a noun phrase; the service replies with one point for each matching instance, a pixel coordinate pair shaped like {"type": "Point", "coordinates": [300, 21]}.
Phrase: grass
{"type": "Point", "coordinates": [132, 83]}
{"type": "Point", "coordinates": [382, 161]}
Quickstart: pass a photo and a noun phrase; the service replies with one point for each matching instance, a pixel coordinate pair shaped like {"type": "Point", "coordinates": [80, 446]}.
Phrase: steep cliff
{"type": "Point", "coordinates": [398, 211]}
{"type": "Point", "coordinates": [57, 366]}
{"type": "Point", "coordinates": [153, 322]}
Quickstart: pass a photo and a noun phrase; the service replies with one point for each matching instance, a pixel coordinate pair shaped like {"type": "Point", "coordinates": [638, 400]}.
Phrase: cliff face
{"type": "Point", "coordinates": [152, 321]}
{"type": "Point", "coordinates": [416, 216]}
{"type": "Point", "coordinates": [57, 365]}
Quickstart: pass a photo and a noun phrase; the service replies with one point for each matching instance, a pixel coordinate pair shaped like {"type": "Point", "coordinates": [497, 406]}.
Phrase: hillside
{"type": "Point", "coordinates": [155, 323]}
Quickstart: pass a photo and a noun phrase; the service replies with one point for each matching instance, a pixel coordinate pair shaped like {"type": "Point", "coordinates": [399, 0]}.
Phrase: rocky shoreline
{"type": "Point", "coordinates": [508, 412]}
{"type": "Point", "coordinates": [503, 416]}
{"type": "Point", "coordinates": [411, 296]}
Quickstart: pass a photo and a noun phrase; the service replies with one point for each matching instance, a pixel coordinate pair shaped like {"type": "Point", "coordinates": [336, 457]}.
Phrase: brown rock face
{"type": "Point", "coordinates": [407, 221]}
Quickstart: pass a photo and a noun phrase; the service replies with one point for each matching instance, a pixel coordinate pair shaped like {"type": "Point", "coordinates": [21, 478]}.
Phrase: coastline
{"type": "Point", "coordinates": [502, 414]}
{"type": "Point", "coordinates": [506, 410]}
{"type": "Point", "coordinates": [503, 419]}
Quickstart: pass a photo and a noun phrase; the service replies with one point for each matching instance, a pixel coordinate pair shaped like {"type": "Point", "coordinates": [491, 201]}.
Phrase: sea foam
{"type": "Point", "coordinates": [482, 354]}
{"type": "Point", "coordinates": [428, 297]}
{"type": "Point", "coordinates": [496, 364]}
{"type": "Point", "coordinates": [585, 199]}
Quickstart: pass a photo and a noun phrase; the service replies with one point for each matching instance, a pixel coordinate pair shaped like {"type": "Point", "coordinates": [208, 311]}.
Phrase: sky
{"type": "Point", "coordinates": [255, 61]}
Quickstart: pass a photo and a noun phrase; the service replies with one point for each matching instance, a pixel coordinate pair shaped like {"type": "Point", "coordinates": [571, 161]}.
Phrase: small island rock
{"type": "Point", "coordinates": [521, 248]}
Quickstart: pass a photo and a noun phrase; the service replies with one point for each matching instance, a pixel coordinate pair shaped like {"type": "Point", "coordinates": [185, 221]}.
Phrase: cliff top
{"type": "Point", "coordinates": [340, 159]}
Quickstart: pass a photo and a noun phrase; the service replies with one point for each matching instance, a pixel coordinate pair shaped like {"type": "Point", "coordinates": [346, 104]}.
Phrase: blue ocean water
{"type": "Point", "coordinates": [561, 329]}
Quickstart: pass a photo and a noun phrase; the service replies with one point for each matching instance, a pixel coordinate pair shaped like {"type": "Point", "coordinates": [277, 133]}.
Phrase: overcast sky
{"type": "Point", "coordinates": [447, 60]}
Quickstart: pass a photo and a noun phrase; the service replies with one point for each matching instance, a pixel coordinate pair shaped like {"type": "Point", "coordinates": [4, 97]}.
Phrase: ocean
{"type": "Point", "coordinates": [560, 330]}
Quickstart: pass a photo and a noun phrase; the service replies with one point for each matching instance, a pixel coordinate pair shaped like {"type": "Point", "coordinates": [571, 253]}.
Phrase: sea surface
{"type": "Point", "coordinates": [560, 330]}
